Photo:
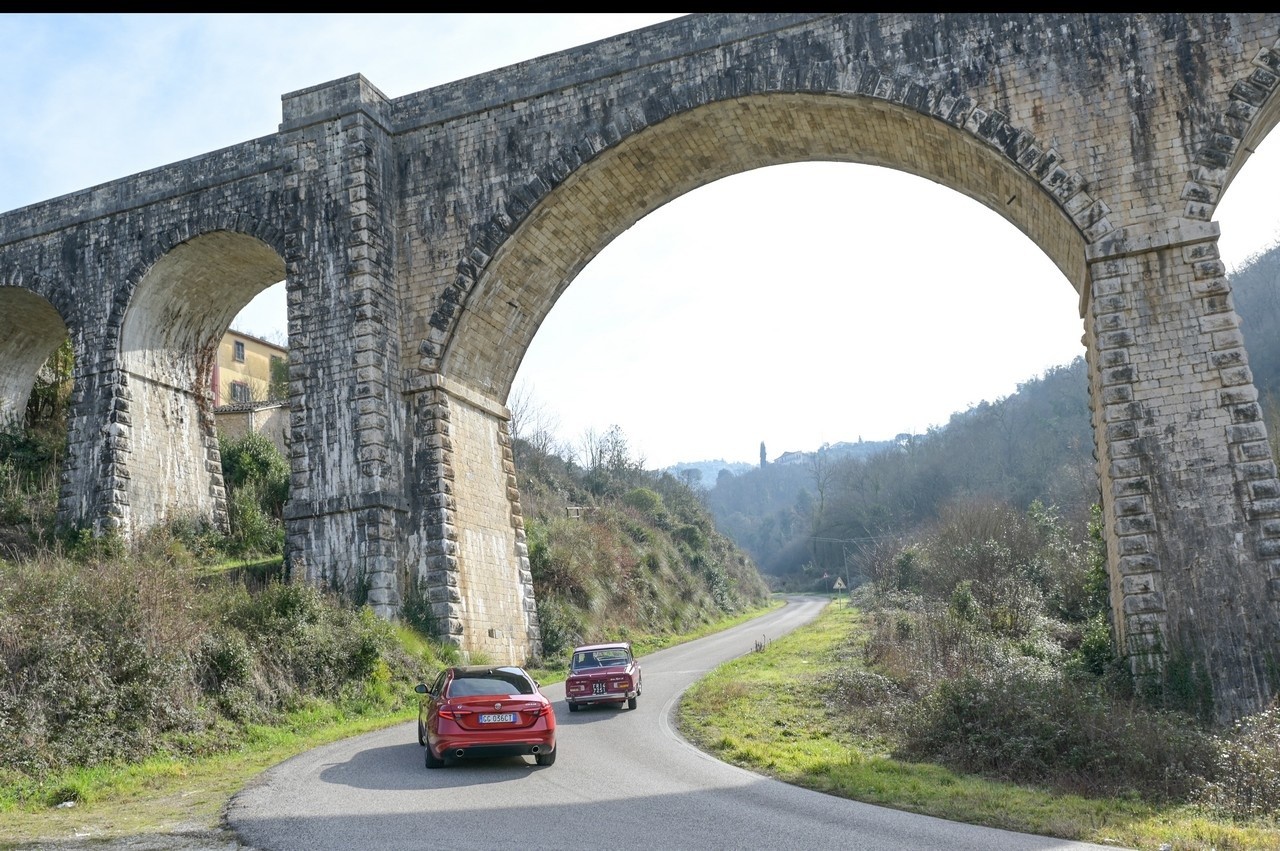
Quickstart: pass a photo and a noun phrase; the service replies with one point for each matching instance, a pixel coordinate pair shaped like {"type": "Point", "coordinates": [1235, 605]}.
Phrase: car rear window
{"type": "Point", "coordinates": [599, 658]}
{"type": "Point", "coordinates": [490, 683]}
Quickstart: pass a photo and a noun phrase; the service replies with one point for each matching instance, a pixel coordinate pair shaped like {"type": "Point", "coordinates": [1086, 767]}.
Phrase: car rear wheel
{"type": "Point", "coordinates": [422, 735]}
{"type": "Point", "coordinates": [573, 707]}
{"type": "Point", "coordinates": [433, 761]}
{"type": "Point", "coordinates": [546, 758]}
{"type": "Point", "coordinates": [631, 703]}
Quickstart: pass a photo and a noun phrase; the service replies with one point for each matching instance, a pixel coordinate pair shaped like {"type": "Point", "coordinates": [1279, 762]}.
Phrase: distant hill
{"type": "Point", "coordinates": [704, 474]}
{"type": "Point", "coordinates": [839, 451]}
{"type": "Point", "coordinates": [816, 511]}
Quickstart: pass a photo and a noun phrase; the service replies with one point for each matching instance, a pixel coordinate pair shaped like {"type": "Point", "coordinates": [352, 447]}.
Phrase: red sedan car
{"type": "Point", "coordinates": [485, 711]}
{"type": "Point", "coordinates": [603, 673]}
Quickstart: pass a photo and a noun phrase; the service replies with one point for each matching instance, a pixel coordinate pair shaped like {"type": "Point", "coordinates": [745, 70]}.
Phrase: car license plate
{"type": "Point", "coordinates": [498, 718]}
{"type": "Point", "coordinates": [597, 688]}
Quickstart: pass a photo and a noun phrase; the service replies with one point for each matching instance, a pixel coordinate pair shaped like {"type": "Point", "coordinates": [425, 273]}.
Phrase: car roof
{"type": "Point", "coordinates": [485, 669]}
{"type": "Point", "coordinates": [611, 645]}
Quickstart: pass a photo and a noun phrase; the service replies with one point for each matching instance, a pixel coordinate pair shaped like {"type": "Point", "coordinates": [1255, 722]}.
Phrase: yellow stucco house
{"type": "Point", "coordinates": [242, 369]}
{"type": "Point", "coordinates": [244, 398]}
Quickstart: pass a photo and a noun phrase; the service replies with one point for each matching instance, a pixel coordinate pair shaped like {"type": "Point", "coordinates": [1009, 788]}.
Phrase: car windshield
{"type": "Point", "coordinates": [491, 682]}
{"type": "Point", "coordinates": [600, 658]}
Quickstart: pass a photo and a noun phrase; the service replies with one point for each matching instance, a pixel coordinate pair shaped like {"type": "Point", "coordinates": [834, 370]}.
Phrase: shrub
{"type": "Point", "coordinates": [560, 631]}
{"type": "Point", "coordinates": [1244, 782]}
{"type": "Point", "coordinates": [256, 476]}
{"type": "Point", "coordinates": [115, 661]}
{"type": "Point", "coordinates": [253, 530]}
{"type": "Point", "coordinates": [1057, 732]}
{"type": "Point", "coordinates": [96, 662]}
{"type": "Point", "coordinates": [691, 536]}
{"type": "Point", "coordinates": [644, 500]}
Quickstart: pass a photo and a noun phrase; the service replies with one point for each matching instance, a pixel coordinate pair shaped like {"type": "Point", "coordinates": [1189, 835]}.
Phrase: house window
{"type": "Point", "coordinates": [239, 390]}
{"type": "Point", "coordinates": [239, 351]}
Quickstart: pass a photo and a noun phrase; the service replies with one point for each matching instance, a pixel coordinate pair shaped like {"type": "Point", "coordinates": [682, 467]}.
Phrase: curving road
{"type": "Point", "coordinates": [623, 779]}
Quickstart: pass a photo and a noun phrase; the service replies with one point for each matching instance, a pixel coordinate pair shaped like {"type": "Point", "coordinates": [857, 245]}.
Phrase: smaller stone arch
{"type": "Point", "coordinates": [162, 431]}
{"type": "Point", "coordinates": [31, 329]}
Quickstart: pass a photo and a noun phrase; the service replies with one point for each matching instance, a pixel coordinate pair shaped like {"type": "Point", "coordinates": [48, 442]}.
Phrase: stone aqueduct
{"type": "Point", "coordinates": [424, 239]}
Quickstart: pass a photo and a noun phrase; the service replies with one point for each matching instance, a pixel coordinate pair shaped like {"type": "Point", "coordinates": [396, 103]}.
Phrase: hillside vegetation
{"type": "Point", "coordinates": [979, 640]}
{"type": "Point", "coordinates": [178, 648]}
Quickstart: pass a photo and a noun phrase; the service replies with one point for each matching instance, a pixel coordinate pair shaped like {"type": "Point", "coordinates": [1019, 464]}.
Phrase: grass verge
{"type": "Point", "coordinates": [171, 795]}
{"type": "Point", "coordinates": [766, 712]}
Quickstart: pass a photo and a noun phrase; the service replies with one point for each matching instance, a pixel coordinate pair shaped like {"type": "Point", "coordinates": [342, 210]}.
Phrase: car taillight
{"type": "Point", "coordinates": [452, 712]}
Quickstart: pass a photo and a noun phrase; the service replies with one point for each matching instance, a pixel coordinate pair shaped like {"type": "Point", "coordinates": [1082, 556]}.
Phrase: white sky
{"type": "Point", "coordinates": [856, 302]}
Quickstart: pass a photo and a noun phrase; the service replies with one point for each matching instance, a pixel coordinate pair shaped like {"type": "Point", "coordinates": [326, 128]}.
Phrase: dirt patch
{"type": "Point", "coordinates": [195, 840]}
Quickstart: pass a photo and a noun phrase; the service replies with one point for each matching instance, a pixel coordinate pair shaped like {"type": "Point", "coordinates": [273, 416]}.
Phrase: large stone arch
{"type": "Point", "coordinates": [506, 289]}
{"type": "Point", "coordinates": [162, 428]}
{"type": "Point", "coordinates": [518, 283]}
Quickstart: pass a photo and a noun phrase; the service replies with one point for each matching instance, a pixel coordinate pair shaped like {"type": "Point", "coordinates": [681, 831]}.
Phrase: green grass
{"type": "Point", "coordinates": [764, 711]}
{"type": "Point", "coordinates": [166, 795]}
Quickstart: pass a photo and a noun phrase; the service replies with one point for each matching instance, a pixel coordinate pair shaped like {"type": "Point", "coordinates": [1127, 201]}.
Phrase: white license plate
{"type": "Point", "coordinates": [498, 718]}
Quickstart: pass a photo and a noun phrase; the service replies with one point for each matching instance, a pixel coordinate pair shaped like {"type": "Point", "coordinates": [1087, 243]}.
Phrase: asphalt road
{"type": "Point", "coordinates": [623, 779]}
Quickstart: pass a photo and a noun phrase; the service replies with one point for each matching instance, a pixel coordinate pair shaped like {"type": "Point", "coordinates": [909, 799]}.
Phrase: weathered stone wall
{"type": "Point", "coordinates": [35, 333]}
{"type": "Point", "coordinates": [1184, 457]}
{"type": "Point", "coordinates": [467, 555]}
{"type": "Point", "coordinates": [347, 499]}
{"type": "Point", "coordinates": [497, 589]}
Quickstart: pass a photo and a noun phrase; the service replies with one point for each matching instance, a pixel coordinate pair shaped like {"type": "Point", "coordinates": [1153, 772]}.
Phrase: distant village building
{"type": "Point", "coordinates": [791, 458]}
{"type": "Point", "coordinates": [249, 388]}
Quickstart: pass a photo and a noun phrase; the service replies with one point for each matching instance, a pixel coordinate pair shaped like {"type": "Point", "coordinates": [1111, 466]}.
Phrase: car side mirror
{"type": "Point", "coordinates": [421, 688]}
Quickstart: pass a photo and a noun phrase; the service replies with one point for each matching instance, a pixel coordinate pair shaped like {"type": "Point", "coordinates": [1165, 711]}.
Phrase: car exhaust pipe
{"type": "Point", "coordinates": [459, 753]}
{"type": "Point", "coordinates": [535, 750]}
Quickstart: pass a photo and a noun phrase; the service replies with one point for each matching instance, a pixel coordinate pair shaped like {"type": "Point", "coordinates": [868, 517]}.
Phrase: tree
{"type": "Point", "coordinates": [532, 428]}
{"type": "Point", "coordinates": [278, 388]}
{"type": "Point", "coordinates": [764, 459]}
{"type": "Point", "coordinates": [51, 392]}
{"type": "Point", "coordinates": [823, 471]}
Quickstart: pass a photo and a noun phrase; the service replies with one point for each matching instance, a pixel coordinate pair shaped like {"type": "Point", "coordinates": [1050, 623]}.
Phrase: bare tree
{"type": "Point", "coordinates": [531, 424]}
{"type": "Point", "coordinates": [823, 471]}
{"type": "Point", "coordinates": [590, 451]}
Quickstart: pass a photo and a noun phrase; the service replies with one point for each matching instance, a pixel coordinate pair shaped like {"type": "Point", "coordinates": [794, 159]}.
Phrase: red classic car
{"type": "Point", "coordinates": [485, 711]}
{"type": "Point", "coordinates": [603, 673]}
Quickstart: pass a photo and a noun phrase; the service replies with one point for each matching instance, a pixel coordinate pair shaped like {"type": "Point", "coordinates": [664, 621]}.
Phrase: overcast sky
{"type": "Point", "coordinates": [857, 302]}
